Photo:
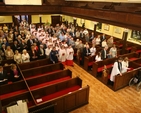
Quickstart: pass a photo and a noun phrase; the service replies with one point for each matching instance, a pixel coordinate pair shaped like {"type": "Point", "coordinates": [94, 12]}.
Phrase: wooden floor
{"type": "Point", "coordinates": [104, 100]}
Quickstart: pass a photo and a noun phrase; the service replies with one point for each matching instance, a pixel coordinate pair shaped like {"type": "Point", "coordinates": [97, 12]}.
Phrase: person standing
{"type": "Point", "coordinates": [62, 55]}
{"type": "Point", "coordinates": [113, 51]}
{"type": "Point", "coordinates": [117, 69]}
{"type": "Point", "coordinates": [53, 55]}
{"type": "Point", "coordinates": [70, 53]}
{"type": "Point", "coordinates": [25, 56]}
{"type": "Point", "coordinates": [104, 53]}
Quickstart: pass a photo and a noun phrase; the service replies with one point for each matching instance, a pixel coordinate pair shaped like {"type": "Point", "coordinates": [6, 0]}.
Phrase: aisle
{"type": "Point", "coordinates": [104, 100]}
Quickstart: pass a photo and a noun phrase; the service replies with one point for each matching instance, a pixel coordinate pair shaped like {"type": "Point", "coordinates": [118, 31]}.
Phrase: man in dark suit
{"type": "Point", "coordinates": [102, 38]}
{"type": "Point", "coordinates": [86, 52]}
{"type": "Point", "coordinates": [104, 53]}
{"type": "Point", "coordinates": [41, 52]}
{"type": "Point", "coordinates": [53, 55]}
{"type": "Point", "coordinates": [3, 76]}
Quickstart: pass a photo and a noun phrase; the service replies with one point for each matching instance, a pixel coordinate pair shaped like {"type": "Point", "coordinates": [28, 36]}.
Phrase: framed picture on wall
{"type": "Point", "coordinates": [117, 30]}
{"type": "Point", "coordinates": [106, 27]}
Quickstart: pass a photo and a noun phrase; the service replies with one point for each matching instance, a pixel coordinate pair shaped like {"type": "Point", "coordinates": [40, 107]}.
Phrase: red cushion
{"type": "Point", "coordinates": [9, 82]}
{"type": "Point", "coordinates": [35, 76]}
{"type": "Point", "coordinates": [80, 58]}
{"type": "Point", "coordinates": [100, 69]}
{"type": "Point", "coordinates": [50, 82]}
{"type": "Point", "coordinates": [30, 103]}
{"type": "Point", "coordinates": [59, 93]}
{"type": "Point", "coordinates": [129, 48]}
{"type": "Point", "coordinates": [120, 45]}
{"type": "Point", "coordinates": [109, 66]}
{"type": "Point", "coordinates": [90, 63]}
{"type": "Point", "coordinates": [130, 69]}
{"type": "Point", "coordinates": [131, 59]}
{"type": "Point", "coordinates": [138, 51]}
{"type": "Point", "coordinates": [75, 54]}
{"type": "Point", "coordinates": [4, 96]}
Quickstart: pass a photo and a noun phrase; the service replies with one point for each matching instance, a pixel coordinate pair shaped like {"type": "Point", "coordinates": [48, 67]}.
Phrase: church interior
{"type": "Point", "coordinates": [49, 86]}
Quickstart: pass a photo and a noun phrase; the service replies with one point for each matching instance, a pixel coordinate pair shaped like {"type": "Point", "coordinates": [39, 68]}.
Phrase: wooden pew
{"type": "Point", "coordinates": [7, 69]}
{"type": "Point", "coordinates": [45, 80]}
{"type": "Point", "coordinates": [122, 81]}
{"type": "Point", "coordinates": [88, 61]}
{"type": "Point", "coordinates": [119, 44]}
{"type": "Point", "coordinates": [10, 92]}
{"type": "Point", "coordinates": [99, 66]}
{"type": "Point", "coordinates": [138, 61]}
{"type": "Point", "coordinates": [63, 103]}
{"type": "Point", "coordinates": [131, 56]}
{"type": "Point", "coordinates": [38, 71]}
{"type": "Point", "coordinates": [33, 64]}
{"type": "Point", "coordinates": [55, 90]}
{"type": "Point", "coordinates": [10, 61]}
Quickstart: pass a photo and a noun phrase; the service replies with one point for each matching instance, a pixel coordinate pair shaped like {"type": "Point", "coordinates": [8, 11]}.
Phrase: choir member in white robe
{"type": "Point", "coordinates": [70, 53]}
{"type": "Point", "coordinates": [93, 50]}
{"type": "Point", "coordinates": [116, 70]}
{"type": "Point", "coordinates": [62, 55]}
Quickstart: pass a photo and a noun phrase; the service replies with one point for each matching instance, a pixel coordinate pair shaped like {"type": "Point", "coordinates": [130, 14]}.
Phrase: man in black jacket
{"type": "Point", "coordinates": [104, 53]}
{"type": "Point", "coordinates": [3, 76]}
{"type": "Point", "coordinates": [53, 55]}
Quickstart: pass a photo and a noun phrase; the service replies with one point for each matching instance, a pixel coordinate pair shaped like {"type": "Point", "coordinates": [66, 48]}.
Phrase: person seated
{"type": "Point", "coordinates": [15, 76]}
{"type": "Point", "coordinates": [3, 76]}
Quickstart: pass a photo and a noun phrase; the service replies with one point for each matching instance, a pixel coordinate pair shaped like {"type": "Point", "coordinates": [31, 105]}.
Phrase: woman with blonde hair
{"type": "Point", "coordinates": [15, 75]}
{"type": "Point", "coordinates": [17, 57]}
{"type": "Point", "coordinates": [25, 56]}
{"type": "Point", "coordinates": [9, 53]}
{"type": "Point", "coordinates": [125, 65]}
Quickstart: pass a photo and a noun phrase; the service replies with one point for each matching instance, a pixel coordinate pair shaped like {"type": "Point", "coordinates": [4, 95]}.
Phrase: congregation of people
{"type": "Point", "coordinates": [27, 43]}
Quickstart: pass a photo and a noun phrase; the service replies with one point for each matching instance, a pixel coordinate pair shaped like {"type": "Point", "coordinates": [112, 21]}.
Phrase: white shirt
{"type": "Point", "coordinates": [47, 51]}
{"type": "Point", "coordinates": [25, 58]}
{"type": "Point", "coordinates": [93, 51]}
{"type": "Point", "coordinates": [97, 58]}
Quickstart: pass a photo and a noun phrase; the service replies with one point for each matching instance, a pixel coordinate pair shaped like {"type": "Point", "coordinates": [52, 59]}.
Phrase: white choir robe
{"type": "Point", "coordinates": [32, 30]}
{"type": "Point", "coordinates": [41, 38]}
{"type": "Point", "coordinates": [115, 71]}
{"type": "Point", "coordinates": [70, 53]}
{"type": "Point", "coordinates": [62, 56]}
